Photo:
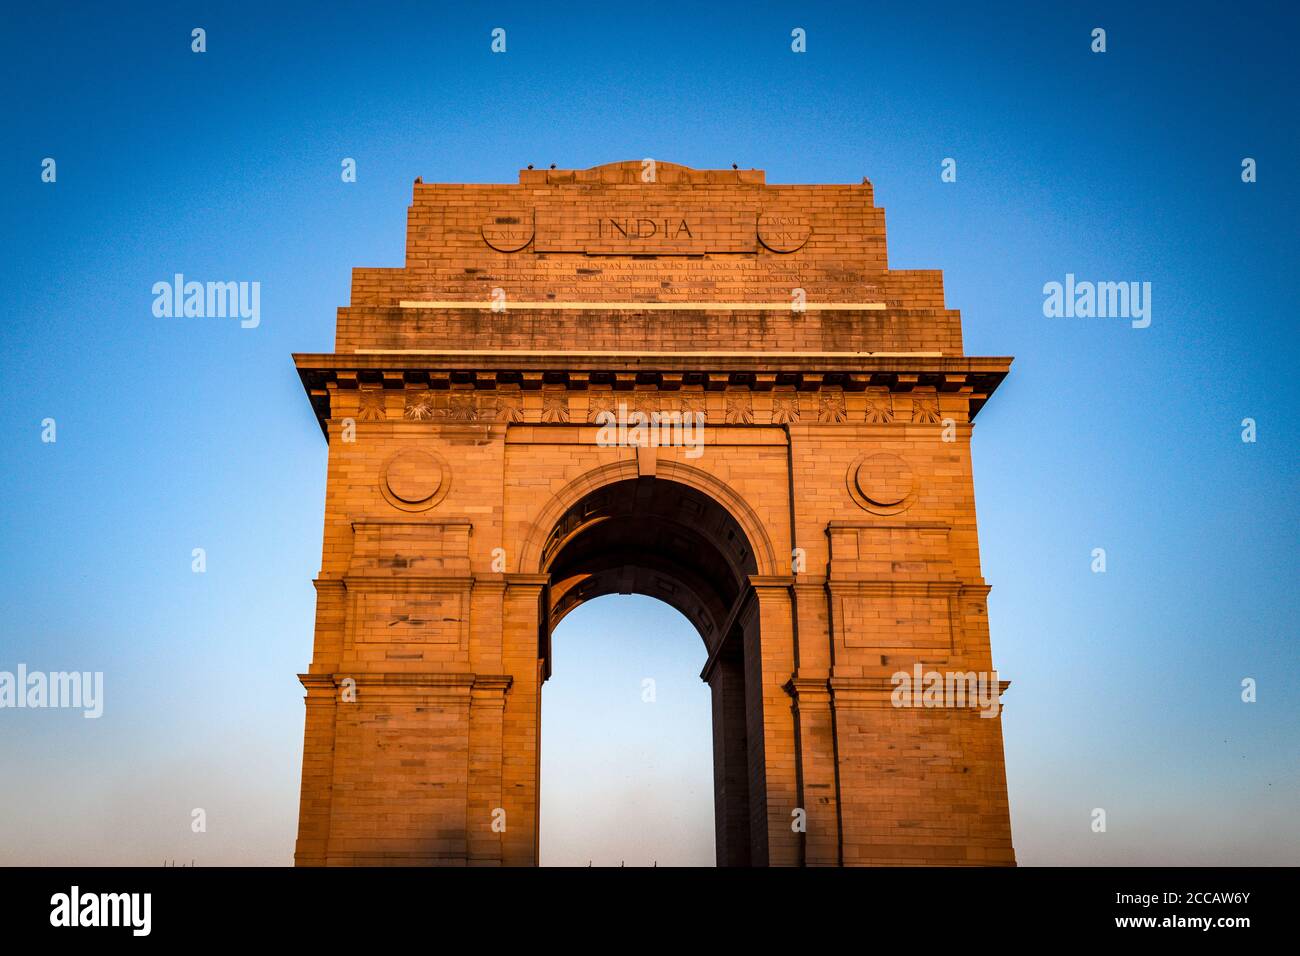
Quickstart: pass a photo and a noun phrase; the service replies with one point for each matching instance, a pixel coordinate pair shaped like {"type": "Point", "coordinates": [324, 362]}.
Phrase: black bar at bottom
{"type": "Point", "coordinates": [819, 907]}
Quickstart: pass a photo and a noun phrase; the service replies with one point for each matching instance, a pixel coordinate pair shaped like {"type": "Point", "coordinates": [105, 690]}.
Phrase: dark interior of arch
{"type": "Point", "coordinates": [654, 537]}
{"type": "Point", "coordinates": [669, 541]}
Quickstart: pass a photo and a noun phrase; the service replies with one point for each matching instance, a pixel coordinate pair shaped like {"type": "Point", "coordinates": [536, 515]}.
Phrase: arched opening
{"type": "Point", "coordinates": [667, 540]}
{"type": "Point", "coordinates": [626, 756]}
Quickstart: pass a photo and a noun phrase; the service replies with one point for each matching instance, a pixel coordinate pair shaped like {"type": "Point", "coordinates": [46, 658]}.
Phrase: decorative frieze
{"type": "Point", "coordinates": [785, 407]}
{"type": "Point", "coordinates": [371, 406]}
{"type": "Point", "coordinates": [419, 405]}
{"type": "Point", "coordinates": [830, 405]}
{"type": "Point", "coordinates": [509, 404]}
{"type": "Point", "coordinates": [432, 397]}
{"type": "Point", "coordinates": [740, 407]}
{"type": "Point", "coordinates": [555, 406]}
{"type": "Point", "coordinates": [879, 406]}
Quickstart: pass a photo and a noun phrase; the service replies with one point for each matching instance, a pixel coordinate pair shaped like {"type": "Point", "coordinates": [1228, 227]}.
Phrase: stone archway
{"type": "Point", "coordinates": [541, 529]}
{"type": "Point", "coordinates": [668, 540]}
{"type": "Point", "coordinates": [820, 534]}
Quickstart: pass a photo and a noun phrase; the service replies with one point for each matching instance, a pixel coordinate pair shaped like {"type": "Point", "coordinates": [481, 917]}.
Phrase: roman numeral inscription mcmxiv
{"type": "Point", "coordinates": [492, 408]}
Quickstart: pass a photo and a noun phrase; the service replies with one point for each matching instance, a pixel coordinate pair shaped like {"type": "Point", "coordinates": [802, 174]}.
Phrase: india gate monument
{"type": "Point", "coordinates": [642, 378]}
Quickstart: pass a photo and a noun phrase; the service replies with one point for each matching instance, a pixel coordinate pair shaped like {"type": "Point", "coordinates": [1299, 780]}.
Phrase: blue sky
{"type": "Point", "coordinates": [175, 433]}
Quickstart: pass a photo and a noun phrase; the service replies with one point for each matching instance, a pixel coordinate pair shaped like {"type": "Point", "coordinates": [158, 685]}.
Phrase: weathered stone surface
{"type": "Point", "coordinates": [820, 533]}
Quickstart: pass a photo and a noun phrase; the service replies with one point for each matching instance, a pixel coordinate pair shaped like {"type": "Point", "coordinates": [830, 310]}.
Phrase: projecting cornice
{"type": "Point", "coordinates": [471, 371]}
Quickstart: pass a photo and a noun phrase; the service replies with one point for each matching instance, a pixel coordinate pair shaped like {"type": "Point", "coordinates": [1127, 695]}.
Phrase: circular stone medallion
{"type": "Point", "coordinates": [414, 480]}
{"type": "Point", "coordinates": [882, 483]}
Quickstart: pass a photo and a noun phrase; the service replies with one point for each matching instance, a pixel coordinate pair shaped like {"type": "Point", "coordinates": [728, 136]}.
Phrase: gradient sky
{"type": "Point", "coordinates": [183, 433]}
